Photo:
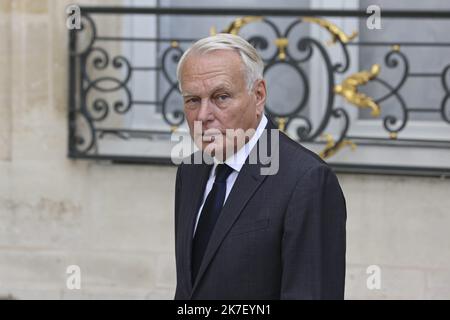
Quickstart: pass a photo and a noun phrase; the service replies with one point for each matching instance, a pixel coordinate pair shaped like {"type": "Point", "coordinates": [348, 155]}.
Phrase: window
{"type": "Point", "coordinates": [125, 103]}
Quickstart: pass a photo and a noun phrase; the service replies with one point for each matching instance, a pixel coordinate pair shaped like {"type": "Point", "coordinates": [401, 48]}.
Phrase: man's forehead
{"type": "Point", "coordinates": [218, 61]}
{"type": "Point", "coordinates": [192, 90]}
{"type": "Point", "coordinates": [208, 64]}
{"type": "Point", "coordinates": [219, 54]}
{"type": "Point", "coordinates": [212, 73]}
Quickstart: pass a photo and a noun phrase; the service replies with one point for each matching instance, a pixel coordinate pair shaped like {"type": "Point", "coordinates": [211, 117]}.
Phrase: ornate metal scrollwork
{"type": "Point", "coordinates": [445, 104]}
{"type": "Point", "coordinates": [349, 89]}
{"type": "Point", "coordinates": [332, 147]}
{"type": "Point", "coordinates": [100, 84]}
{"type": "Point", "coordinates": [282, 44]}
{"type": "Point", "coordinates": [237, 24]}
{"type": "Point", "coordinates": [336, 33]}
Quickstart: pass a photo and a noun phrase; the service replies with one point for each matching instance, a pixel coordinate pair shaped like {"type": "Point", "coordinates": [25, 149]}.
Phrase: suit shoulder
{"type": "Point", "coordinates": [185, 163]}
{"type": "Point", "coordinates": [297, 158]}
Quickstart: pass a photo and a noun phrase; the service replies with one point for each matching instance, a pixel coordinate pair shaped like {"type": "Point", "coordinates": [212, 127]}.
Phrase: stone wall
{"type": "Point", "coordinates": [115, 222]}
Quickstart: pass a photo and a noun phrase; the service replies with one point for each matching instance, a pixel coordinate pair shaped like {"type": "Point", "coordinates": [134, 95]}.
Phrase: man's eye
{"type": "Point", "coordinates": [191, 101]}
{"type": "Point", "coordinates": [222, 97]}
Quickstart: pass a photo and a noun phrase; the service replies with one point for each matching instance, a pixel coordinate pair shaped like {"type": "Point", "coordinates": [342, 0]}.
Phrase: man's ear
{"type": "Point", "coordinates": [260, 92]}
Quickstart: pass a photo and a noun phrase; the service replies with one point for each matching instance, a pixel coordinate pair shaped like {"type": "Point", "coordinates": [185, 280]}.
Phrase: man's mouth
{"type": "Point", "coordinates": [208, 138]}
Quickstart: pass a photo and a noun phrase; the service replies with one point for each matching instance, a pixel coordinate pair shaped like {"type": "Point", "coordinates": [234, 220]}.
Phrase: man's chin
{"type": "Point", "coordinates": [214, 151]}
{"type": "Point", "coordinates": [211, 149]}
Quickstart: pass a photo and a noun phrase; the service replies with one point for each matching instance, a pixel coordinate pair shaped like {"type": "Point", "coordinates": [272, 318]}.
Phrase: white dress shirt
{"type": "Point", "coordinates": [235, 162]}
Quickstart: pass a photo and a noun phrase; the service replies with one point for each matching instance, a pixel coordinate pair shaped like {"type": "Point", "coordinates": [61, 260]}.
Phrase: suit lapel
{"type": "Point", "coordinates": [199, 177]}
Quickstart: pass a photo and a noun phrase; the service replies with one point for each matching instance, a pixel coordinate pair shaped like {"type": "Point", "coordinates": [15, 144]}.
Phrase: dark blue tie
{"type": "Point", "coordinates": [208, 217]}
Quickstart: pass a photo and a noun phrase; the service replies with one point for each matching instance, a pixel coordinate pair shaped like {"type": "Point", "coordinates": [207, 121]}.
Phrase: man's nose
{"type": "Point", "coordinates": [205, 112]}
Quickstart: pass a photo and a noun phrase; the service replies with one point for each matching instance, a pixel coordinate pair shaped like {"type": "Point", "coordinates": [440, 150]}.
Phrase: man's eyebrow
{"type": "Point", "coordinates": [214, 90]}
{"type": "Point", "coordinates": [187, 94]}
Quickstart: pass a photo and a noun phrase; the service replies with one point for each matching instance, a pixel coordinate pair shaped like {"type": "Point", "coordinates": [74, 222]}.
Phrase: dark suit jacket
{"type": "Point", "coordinates": [278, 237]}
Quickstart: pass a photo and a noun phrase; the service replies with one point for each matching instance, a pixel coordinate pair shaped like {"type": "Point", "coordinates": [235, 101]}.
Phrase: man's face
{"type": "Point", "coordinates": [215, 94]}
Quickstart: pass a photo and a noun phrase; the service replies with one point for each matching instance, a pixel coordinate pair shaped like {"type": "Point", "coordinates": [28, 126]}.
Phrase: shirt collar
{"type": "Point", "coordinates": [237, 161]}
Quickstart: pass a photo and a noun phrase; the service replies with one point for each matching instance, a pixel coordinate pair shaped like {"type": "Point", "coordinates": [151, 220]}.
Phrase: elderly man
{"type": "Point", "coordinates": [241, 234]}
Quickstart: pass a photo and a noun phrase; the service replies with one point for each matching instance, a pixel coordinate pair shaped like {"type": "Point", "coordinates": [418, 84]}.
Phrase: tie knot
{"type": "Point", "coordinates": [222, 172]}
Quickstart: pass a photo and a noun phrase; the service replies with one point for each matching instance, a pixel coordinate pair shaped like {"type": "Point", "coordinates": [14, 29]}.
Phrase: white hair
{"type": "Point", "coordinates": [251, 60]}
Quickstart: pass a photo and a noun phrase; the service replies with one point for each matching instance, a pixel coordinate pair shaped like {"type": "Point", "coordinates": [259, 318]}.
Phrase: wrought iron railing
{"type": "Point", "coordinates": [100, 91]}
